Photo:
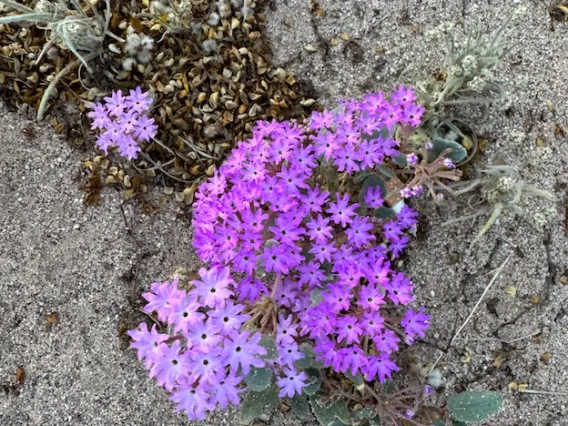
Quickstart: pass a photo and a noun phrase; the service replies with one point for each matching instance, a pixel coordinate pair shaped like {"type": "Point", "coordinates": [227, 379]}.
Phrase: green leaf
{"type": "Point", "coordinates": [400, 160]}
{"type": "Point", "coordinates": [372, 181]}
{"type": "Point", "coordinates": [458, 151]}
{"type": "Point", "coordinates": [474, 406]}
{"type": "Point", "coordinates": [384, 213]}
{"type": "Point", "coordinates": [268, 343]}
{"type": "Point", "coordinates": [360, 177]}
{"type": "Point", "coordinates": [315, 381]}
{"type": "Point", "coordinates": [316, 296]}
{"type": "Point", "coordinates": [438, 422]}
{"type": "Point", "coordinates": [358, 379]}
{"type": "Point", "coordinates": [457, 423]}
{"type": "Point", "coordinates": [259, 379]}
{"type": "Point", "coordinates": [309, 359]}
{"type": "Point", "coordinates": [388, 173]}
{"type": "Point", "coordinates": [389, 386]}
{"type": "Point", "coordinates": [300, 406]}
{"type": "Point", "coordinates": [256, 404]}
{"type": "Point", "coordinates": [327, 415]}
{"type": "Point", "coordinates": [368, 414]}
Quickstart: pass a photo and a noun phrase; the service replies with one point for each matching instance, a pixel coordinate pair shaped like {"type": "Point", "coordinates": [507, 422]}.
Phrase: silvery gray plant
{"type": "Point", "coordinates": [467, 79]}
{"type": "Point", "coordinates": [68, 27]}
{"type": "Point", "coordinates": [470, 63]}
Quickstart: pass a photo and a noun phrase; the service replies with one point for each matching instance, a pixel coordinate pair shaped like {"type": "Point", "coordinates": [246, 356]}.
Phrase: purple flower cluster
{"type": "Point", "coordinates": [123, 123]}
{"type": "Point", "coordinates": [203, 359]}
{"type": "Point", "coordinates": [267, 215]}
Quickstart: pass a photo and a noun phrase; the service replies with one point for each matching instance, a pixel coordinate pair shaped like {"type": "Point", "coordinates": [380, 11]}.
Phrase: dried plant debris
{"type": "Point", "coordinates": [207, 65]}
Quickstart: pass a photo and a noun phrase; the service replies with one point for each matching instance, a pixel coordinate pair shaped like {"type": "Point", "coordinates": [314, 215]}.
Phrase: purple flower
{"type": "Point", "coordinates": [370, 298]}
{"type": "Point", "coordinates": [115, 103]}
{"type": "Point", "coordinates": [320, 120]}
{"type": "Point", "coordinates": [403, 95]}
{"type": "Point", "coordinates": [138, 101]}
{"type": "Point", "coordinates": [412, 159]}
{"type": "Point", "coordinates": [323, 251]}
{"type": "Point", "coordinates": [399, 289]}
{"type": "Point", "coordinates": [184, 314]}
{"type": "Point", "coordinates": [226, 390]}
{"type": "Point", "coordinates": [292, 383]}
{"type": "Point", "coordinates": [412, 114]}
{"type": "Point", "coordinates": [289, 353]}
{"type": "Point", "coordinates": [379, 366]}
{"type": "Point", "coordinates": [170, 366]}
{"type": "Point", "coordinates": [341, 212]}
{"type": "Point", "coordinates": [348, 330]}
{"type": "Point", "coordinates": [213, 288]}
{"type": "Point", "coordinates": [162, 298]}
{"type": "Point", "coordinates": [374, 197]}
{"type": "Point", "coordinates": [229, 318]}
{"type": "Point", "coordinates": [358, 233]}
{"type": "Point", "coordinates": [145, 129]}
{"type": "Point", "coordinates": [204, 336]}
{"type": "Point", "coordinates": [205, 366]}
{"type": "Point", "coordinates": [286, 331]}
{"type": "Point", "coordinates": [100, 117]}
{"type": "Point", "coordinates": [319, 229]}
{"type": "Point", "coordinates": [415, 323]}
{"type": "Point", "coordinates": [449, 163]}
{"type": "Point", "coordinates": [242, 351]}
{"type": "Point", "coordinates": [386, 341]}
{"type": "Point", "coordinates": [149, 344]}
{"type": "Point", "coordinates": [194, 401]}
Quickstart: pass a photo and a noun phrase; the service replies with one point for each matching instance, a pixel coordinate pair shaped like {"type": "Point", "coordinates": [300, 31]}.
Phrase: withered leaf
{"type": "Point", "coordinates": [499, 360]}
{"type": "Point", "coordinates": [20, 375]}
{"type": "Point", "coordinates": [466, 355]}
{"type": "Point", "coordinates": [53, 318]}
{"type": "Point", "coordinates": [545, 358]}
{"type": "Point", "coordinates": [511, 291]}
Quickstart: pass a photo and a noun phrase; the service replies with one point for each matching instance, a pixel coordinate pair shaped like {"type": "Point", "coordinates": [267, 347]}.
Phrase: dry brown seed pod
{"type": "Point", "coordinates": [214, 99]}
{"type": "Point", "coordinates": [181, 123]}
{"type": "Point", "coordinates": [231, 105]}
{"type": "Point", "coordinates": [34, 78]}
{"type": "Point", "coordinates": [254, 110]}
{"type": "Point", "coordinates": [201, 97]}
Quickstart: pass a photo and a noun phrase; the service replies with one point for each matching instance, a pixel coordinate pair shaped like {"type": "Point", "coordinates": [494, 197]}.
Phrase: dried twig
{"type": "Point", "coordinates": [497, 273]}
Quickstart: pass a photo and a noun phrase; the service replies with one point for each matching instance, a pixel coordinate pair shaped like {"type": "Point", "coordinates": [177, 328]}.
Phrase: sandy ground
{"type": "Point", "coordinates": [83, 263]}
